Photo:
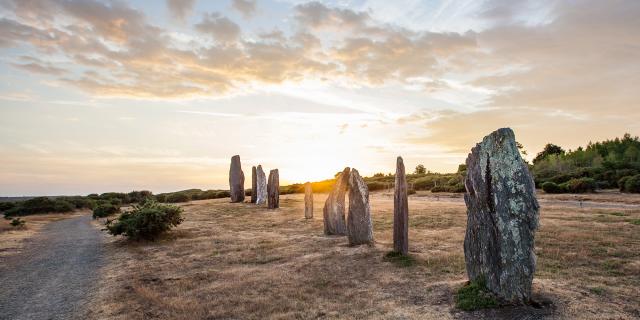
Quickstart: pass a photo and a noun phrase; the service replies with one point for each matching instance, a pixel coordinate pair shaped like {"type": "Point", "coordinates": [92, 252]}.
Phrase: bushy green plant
{"type": "Point", "coordinates": [622, 183]}
{"type": "Point", "coordinates": [632, 184]}
{"type": "Point", "coordinates": [63, 206]}
{"type": "Point", "coordinates": [177, 197]}
{"type": "Point", "coordinates": [4, 206]}
{"type": "Point", "coordinates": [373, 186]}
{"type": "Point", "coordinates": [146, 221]}
{"type": "Point", "coordinates": [17, 223]}
{"type": "Point", "coordinates": [39, 205]}
{"type": "Point", "coordinates": [105, 209]}
{"type": "Point", "coordinates": [581, 185]}
{"type": "Point", "coordinates": [551, 187]}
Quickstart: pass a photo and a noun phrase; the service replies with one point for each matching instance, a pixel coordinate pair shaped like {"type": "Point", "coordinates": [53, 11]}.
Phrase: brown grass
{"type": "Point", "coordinates": [238, 261]}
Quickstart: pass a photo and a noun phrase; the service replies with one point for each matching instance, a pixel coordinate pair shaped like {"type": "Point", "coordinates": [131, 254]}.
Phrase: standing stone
{"type": "Point", "coordinates": [308, 201]}
{"type": "Point", "coordinates": [502, 218]}
{"type": "Point", "coordinates": [359, 226]}
{"type": "Point", "coordinates": [273, 190]}
{"type": "Point", "coordinates": [236, 180]}
{"type": "Point", "coordinates": [254, 185]}
{"type": "Point", "coordinates": [261, 186]}
{"type": "Point", "coordinates": [333, 211]}
{"type": "Point", "coordinates": [400, 211]}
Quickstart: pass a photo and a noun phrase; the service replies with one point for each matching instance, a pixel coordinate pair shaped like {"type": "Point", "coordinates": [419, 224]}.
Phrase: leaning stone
{"type": "Point", "coordinates": [273, 190]}
{"type": "Point", "coordinates": [236, 180]}
{"type": "Point", "coordinates": [333, 211]}
{"type": "Point", "coordinates": [308, 201]}
{"type": "Point", "coordinates": [261, 186]}
{"type": "Point", "coordinates": [400, 211]}
{"type": "Point", "coordinates": [254, 185]}
{"type": "Point", "coordinates": [502, 218]}
{"type": "Point", "coordinates": [359, 226]}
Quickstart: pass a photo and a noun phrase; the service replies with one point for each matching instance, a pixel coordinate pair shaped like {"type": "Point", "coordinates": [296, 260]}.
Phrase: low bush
{"type": "Point", "coordinates": [39, 205]}
{"type": "Point", "coordinates": [4, 206]}
{"type": "Point", "coordinates": [177, 197]}
{"type": "Point", "coordinates": [622, 183]}
{"type": "Point", "coordinates": [474, 295]}
{"type": "Point", "coordinates": [105, 209]}
{"type": "Point", "coordinates": [552, 187]}
{"type": "Point", "coordinates": [17, 223]}
{"type": "Point", "coordinates": [581, 185]}
{"type": "Point", "coordinates": [373, 186]}
{"type": "Point", "coordinates": [146, 221]}
{"type": "Point", "coordinates": [632, 184]}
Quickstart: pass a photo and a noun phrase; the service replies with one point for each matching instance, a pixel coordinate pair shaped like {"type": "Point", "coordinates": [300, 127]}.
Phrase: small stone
{"type": "Point", "coordinates": [333, 211]}
{"type": "Point", "coordinates": [400, 211]}
{"type": "Point", "coordinates": [359, 225]}
{"type": "Point", "coordinates": [273, 190]}
{"type": "Point", "coordinates": [254, 185]}
{"type": "Point", "coordinates": [308, 201]}
{"type": "Point", "coordinates": [502, 218]}
{"type": "Point", "coordinates": [236, 180]}
{"type": "Point", "coordinates": [261, 186]}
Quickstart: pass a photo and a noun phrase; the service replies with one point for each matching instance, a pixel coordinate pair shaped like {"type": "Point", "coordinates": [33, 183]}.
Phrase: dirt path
{"type": "Point", "coordinates": [53, 277]}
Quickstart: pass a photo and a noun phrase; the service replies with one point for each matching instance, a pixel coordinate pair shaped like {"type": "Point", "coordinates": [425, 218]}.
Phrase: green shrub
{"type": "Point", "coordinates": [4, 206]}
{"type": "Point", "coordinates": [581, 185]}
{"type": "Point", "coordinates": [161, 197]}
{"type": "Point", "coordinates": [39, 205]}
{"type": "Point", "coordinates": [411, 191]}
{"type": "Point", "coordinates": [177, 197]}
{"type": "Point", "coordinates": [62, 206]}
{"type": "Point", "coordinates": [17, 223]}
{"type": "Point", "coordinates": [146, 221]}
{"type": "Point", "coordinates": [551, 187]}
{"type": "Point", "coordinates": [632, 184]}
{"type": "Point", "coordinates": [373, 186]}
{"type": "Point", "coordinates": [474, 295]}
{"type": "Point", "coordinates": [105, 209]}
{"type": "Point", "coordinates": [622, 183]}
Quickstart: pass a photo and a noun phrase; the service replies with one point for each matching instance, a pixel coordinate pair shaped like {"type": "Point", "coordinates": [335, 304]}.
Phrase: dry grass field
{"type": "Point", "coordinates": [239, 261]}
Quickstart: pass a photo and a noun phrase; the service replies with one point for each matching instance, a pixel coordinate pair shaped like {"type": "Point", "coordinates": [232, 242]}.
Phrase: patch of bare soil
{"type": "Point", "coordinates": [240, 261]}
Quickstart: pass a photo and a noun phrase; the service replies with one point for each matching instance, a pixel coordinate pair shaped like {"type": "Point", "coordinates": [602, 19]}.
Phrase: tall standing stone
{"type": "Point", "coordinates": [236, 180]}
{"type": "Point", "coordinates": [400, 211]}
{"type": "Point", "coordinates": [254, 185]}
{"type": "Point", "coordinates": [261, 186]}
{"type": "Point", "coordinates": [308, 201]}
{"type": "Point", "coordinates": [333, 211]}
{"type": "Point", "coordinates": [502, 218]}
{"type": "Point", "coordinates": [273, 190]}
{"type": "Point", "coordinates": [359, 226]}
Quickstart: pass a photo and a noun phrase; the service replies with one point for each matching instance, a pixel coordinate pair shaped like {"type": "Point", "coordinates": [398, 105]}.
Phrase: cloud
{"type": "Point", "coordinates": [220, 28]}
{"type": "Point", "coordinates": [180, 9]}
{"type": "Point", "coordinates": [246, 7]}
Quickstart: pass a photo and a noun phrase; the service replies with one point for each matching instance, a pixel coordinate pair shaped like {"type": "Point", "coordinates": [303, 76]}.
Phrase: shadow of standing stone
{"type": "Point", "coordinates": [359, 225]}
{"type": "Point", "coordinates": [400, 211]}
{"type": "Point", "coordinates": [236, 180]}
{"type": "Point", "coordinates": [333, 211]}
{"type": "Point", "coordinates": [502, 217]}
{"type": "Point", "coordinates": [273, 190]}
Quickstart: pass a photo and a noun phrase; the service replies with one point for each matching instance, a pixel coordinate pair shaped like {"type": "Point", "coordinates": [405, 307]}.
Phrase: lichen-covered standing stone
{"type": "Point", "coordinates": [308, 201]}
{"type": "Point", "coordinates": [502, 218]}
{"type": "Point", "coordinates": [273, 190]}
{"type": "Point", "coordinates": [359, 226]}
{"type": "Point", "coordinates": [400, 211]}
{"type": "Point", "coordinates": [254, 185]}
{"type": "Point", "coordinates": [261, 186]}
{"type": "Point", "coordinates": [236, 180]}
{"type": "Point", "coordinates": [333, 211]}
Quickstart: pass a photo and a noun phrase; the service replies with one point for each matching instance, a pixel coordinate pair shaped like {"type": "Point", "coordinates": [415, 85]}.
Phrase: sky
{"type": "Point", "coordinates": [100, 96]}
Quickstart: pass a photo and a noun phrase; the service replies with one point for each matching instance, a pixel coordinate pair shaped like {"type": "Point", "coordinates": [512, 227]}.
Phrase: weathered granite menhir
{"type": "Point", "coordinates": [273, 190]}
{"type": "Point", "coordinates": [502, 218]}
{"type": "Point", "coordinates": [261, 186]}
{"type": "Point", "coordinates": [400, 211]}
{"type": "Point", "coordinates": [236, 180]}
{"type": "Point", "coordinates": [359, 225]}
{"type": "Point", "coordinates": [254, 185]}
{"type": "Point", "coordinates": [308, 201]}
{"type": "Point", "coordinates": [333, 211]}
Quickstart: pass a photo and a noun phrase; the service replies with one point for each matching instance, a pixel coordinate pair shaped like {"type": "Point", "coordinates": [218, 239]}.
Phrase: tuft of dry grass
{"type": "Point", "coordinates": [240, 261]}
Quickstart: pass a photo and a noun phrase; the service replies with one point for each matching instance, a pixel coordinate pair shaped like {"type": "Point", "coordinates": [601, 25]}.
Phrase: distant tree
{"type": "Point", "coordinates": [379, 174]}
{"type": "Point", "coordinates": [520, 147]}
{"type": "Point", "coordinates": [420, 169]}
{"type": "Point", "coordinates": [548, 150]}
